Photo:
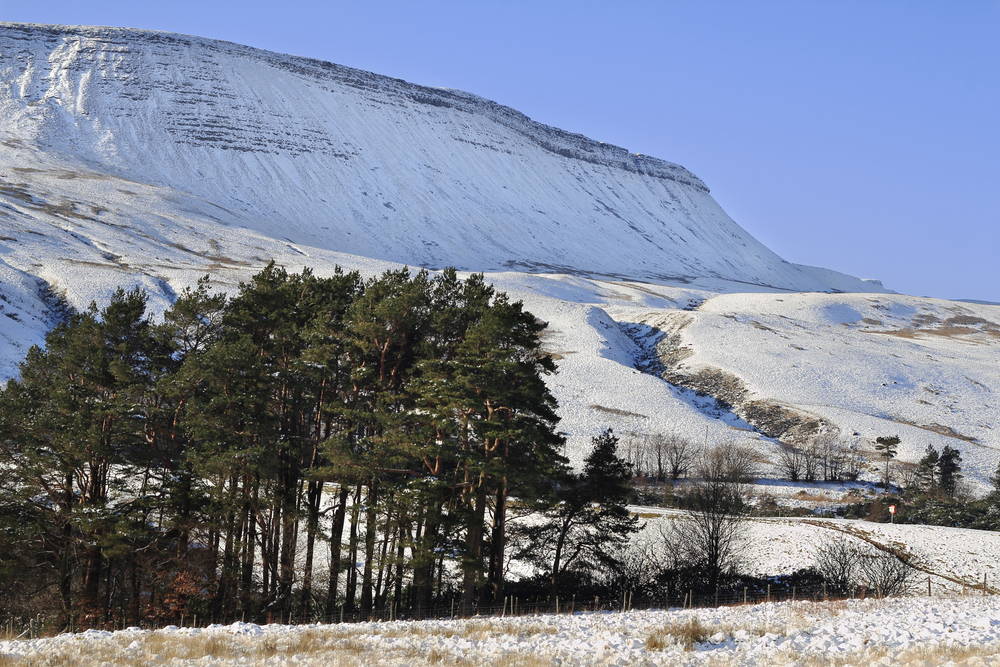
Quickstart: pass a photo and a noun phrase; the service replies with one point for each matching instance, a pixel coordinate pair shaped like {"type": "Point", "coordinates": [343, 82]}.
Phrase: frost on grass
{"type": "Point", "coordinates": [924, 631]}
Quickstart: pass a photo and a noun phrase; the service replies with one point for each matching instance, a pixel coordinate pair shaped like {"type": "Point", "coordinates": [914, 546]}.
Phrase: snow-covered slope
{"type": "Point", "coordinates": [346, 160]}
{"type": "Point", "coordinates": [861, 365]}
{"type": "Point", "coordinates": [139, 158]}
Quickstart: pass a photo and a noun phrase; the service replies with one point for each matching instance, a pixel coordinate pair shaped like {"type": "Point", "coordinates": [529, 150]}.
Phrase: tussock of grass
{"type": "Point", "coordinates": [685, 634]}
{"type": "Point", "coordinates": [483, 629]}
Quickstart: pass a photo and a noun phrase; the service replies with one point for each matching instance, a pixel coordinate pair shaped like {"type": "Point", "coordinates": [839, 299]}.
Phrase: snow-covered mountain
{"type": "Point", "coordinates": [346, 160]}
{"type": "Point", "coordinates": [132, 157]}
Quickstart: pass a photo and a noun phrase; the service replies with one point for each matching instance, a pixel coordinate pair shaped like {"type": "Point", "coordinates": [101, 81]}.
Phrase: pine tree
{"type": "Point", "coordinates": [590, 520]}
{"type": "Point", "coordinates": [948, 467]}
{"type": "Point", "coordinates": [158, 470]}
{"type": "Point", "coordinates": [887, 445]}
{"type": "Point", "coordinates": [927, 469]}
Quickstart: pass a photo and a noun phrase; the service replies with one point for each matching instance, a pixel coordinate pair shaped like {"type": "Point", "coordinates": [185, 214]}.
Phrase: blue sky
{"type": "Point", "coordinates": [862, 136]}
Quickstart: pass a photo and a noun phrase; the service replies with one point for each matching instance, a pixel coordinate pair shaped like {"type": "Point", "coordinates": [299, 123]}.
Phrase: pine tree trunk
{"type": "Point", "coordinates": [400, 565]}
{"type": "Point", "coordinates": [498, 543]}
{"type": "Point", "coordinates": [336, 547]}
{"type": "Point", "coordinates": [424, 558]}
{"type": "Point", "coordinates": [352, 565]}
{"type": "Point", "coordinates": [371, 528]}
{"type": "Point", "coordinates": [250, 550]}
{"type": "Point", "coordinates": [289, 524]}
{"type": "Point", "coordinates": [66, 564]}
{"type": "Point", "coordinates": [313, 496]}
{"type": "Point", "coordinates": [380, 575]}
{"type": "Point", "coordinates": [472, 562]}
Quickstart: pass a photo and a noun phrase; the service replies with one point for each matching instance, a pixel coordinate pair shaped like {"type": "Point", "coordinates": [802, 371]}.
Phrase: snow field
{"type": "Point", "coordinates": [955, 559]}
{"type": "Point", "coordinates": [926, 631]}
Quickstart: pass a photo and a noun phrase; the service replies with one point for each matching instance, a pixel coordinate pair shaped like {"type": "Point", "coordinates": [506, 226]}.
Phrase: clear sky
{"type": "Point", "coordinates": [862, 135]}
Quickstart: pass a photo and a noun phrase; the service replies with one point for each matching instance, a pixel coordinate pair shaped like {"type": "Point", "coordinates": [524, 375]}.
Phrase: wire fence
{"type": "Point", "coordinates": [511, 606]}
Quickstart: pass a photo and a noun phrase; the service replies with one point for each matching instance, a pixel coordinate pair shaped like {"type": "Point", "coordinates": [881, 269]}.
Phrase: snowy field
{"type": "Point", "coordinates": [954, 559]}
{"type": "Point", "coordinates": [914, 631]}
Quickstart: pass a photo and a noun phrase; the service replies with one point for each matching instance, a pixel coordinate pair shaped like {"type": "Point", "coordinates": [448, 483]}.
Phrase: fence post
{"type": "Point", "coordinates": [793, 593]}
{"type": "Point", "coordinates": [984, 583]}
{"type": "Point", "coordinates": [557, 604]}
{"type": "Point", "coordinates": [769, 592]}
{"type": "Point", "coordinates": [928, 585]}
{"type": "Point", "coordinates": [744, 595]}
{"type": "Point", "coordinates": [716, 596]}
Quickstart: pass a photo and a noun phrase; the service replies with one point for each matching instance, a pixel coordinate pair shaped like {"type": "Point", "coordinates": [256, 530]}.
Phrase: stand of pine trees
{"type": "Point", "coordinates": [207, 463]}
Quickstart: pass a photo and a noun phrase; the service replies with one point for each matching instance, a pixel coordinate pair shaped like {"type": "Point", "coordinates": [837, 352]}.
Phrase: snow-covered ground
{"type": "Point", "coordinates": [133, 158]}
{"type": "Point", "coordinates": [955, 559]}
{"type": "Point", "coordinates": [927, 370]}
{"type": "Point", "coordinates": [918, 631]}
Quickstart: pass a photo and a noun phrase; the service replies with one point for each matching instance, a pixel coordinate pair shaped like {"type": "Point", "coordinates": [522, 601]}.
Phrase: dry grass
{"type": "Point", "coordinates": [335, 648]}
{"type": "Point", "coordinates": [330, 645]}
{"type": "Point", "coordinates": [402, 643]}
{"type": "Point", "coordinates": [813, 497]}
{"type": "Point", "coordinates": [914, 656]}
{"type": "Point", "coordinates": [477, 630]}
{"type": "Point", "coordinates": [684, 634]}
{"type": "Point", "coordinates": [616, 411]}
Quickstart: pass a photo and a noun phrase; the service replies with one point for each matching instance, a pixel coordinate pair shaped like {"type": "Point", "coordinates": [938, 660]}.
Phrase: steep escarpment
{"type": "Point", "coordinates": [345, 160]}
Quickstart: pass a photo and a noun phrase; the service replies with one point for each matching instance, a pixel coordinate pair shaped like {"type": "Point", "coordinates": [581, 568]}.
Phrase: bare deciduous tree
{"type": "Point", "coordinates": [836, 559]}
{"type": "Point", "coordinates": [845, 564]}
{"type": "Point", "coordinates": [712, 532]}
{"type": "Point", "coordinates": [885, 574]}
{"type": "Point", "coordinates": [850, 460]}
{"type": "Point", "coordinates": [659, 455]}
{"type": "Point", "coordinates": [679, 455]}
{"type": "Point", "coordinates": [734, 463]}
{"type": "Point", "coordinates": [791, 462]}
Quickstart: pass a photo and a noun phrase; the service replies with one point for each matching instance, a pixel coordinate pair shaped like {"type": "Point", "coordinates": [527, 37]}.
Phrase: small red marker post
{"type": "Point", "coordinates": [892, 514]}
